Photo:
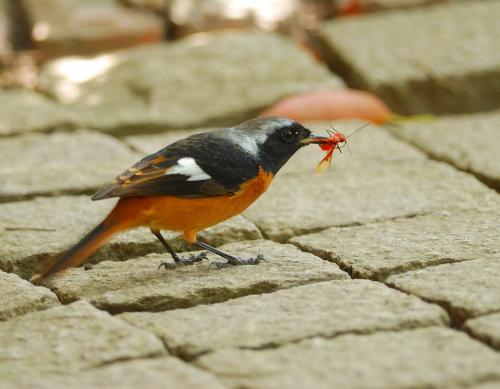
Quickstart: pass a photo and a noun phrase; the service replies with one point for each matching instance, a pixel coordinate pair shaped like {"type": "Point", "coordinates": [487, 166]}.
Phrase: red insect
{"type": "Point", "coordinates": [331, 144]}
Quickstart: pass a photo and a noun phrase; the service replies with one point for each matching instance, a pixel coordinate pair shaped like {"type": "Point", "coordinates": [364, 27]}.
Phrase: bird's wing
{"type": "Point", "coordinates": [198, 166]}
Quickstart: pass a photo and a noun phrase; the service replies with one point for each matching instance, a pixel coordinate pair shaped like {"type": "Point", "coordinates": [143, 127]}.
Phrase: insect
{"type": "Point", "coordinates": [331, 144]}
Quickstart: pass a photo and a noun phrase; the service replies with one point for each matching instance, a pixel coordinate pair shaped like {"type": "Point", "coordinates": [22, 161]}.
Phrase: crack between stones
{"type": "Point", "coordinates": [274, 346]}
{"type": "Point", "coordinates": [65, 127]}
{"type": "Point", "coordinates": [381, 275]}
{"type": "Point", "coordinates": [457, 315]}
{"type": "Point", "coordinates": [124, 359]}
{"type": "Point", "coordinates": [316, 230]}
{"type": "Point", "coordinates": [486, 339]}
{"type": "Point", "coordinates": [186, 303]}
{"type": "Point", "coordinates": [488, 181]}
{"type": "Point", "coordinates": [65, 192]}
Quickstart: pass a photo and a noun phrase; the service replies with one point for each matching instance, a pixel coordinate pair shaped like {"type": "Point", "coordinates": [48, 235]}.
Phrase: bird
{"type": "Point", "coordinates": [192, 184]}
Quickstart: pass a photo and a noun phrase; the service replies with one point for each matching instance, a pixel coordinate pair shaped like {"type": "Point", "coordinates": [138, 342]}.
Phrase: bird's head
{"type": "Point", "coordinates": [273, 140]}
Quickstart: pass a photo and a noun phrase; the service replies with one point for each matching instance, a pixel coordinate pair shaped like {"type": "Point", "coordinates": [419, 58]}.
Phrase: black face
{"type": "Point", "coordinates": [281, 143]}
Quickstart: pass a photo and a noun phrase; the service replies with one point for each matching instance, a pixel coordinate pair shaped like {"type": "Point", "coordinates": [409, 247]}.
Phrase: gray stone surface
{"type": "Point", "coordinates": [371, 145]}
{"type": "Point", "coordinates": [485, 328]}
{"type": "Point", "coordinates": [469, 142]}
{"type": "Point", "coordinates": [66, 27]}
{"type": "Point", "coordinates": [60, 163]}
{"type": "Point", "coordinates": [25, 111]}
{"type": "Point", "coordinates": [146, 90]}
{"type": "Point", "coordinates": [378, 250]}
{"type": "Point", "coordinates": [137, 285]}
{"type": "Point", "coordinates": [158, 373]}
{"type": "Point", "coordinates": [465, 289]}
{"type": "Point", "coordinates": [421, 358]}
{"type": "Point", "coordinates": [20, 297]}
{"type": "Point", "coordinates": [68, 339]}
{"type": "Point", "coordinates": [269, 320]}
{"type": "Point", "coordinates": [31, 232]}
{"type": "Point", "coordinates": [441, 59]}
{"type": "Point", "coordinates": [302, 203]}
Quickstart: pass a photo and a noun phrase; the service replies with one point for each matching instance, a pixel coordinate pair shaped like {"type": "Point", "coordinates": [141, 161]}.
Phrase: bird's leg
{"type": "Point", "coordinates": [178, 260]}
{"type": "Point", "coordinates": [231, 261]}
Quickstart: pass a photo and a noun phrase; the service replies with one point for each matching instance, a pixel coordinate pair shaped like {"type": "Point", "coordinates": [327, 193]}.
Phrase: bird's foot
{"type": "Point", "coordinates": [192, 259]}
{"type": "Point", "coordinates": [238, 262]}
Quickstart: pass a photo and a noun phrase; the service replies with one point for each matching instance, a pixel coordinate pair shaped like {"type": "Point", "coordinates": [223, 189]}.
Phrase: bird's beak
{"type": "Point", "coordinates": [313, 139]}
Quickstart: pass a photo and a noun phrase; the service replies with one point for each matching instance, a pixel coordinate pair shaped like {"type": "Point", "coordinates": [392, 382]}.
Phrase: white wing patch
{"type": "Point", "coordinates": [188, 167]}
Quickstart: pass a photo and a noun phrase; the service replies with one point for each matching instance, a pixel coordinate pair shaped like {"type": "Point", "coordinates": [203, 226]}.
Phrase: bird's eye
{"type": "Point", "coordinates": [288, 135]}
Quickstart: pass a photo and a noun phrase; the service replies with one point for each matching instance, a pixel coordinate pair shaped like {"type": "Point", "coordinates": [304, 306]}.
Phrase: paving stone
{"type": "Point", "coordinates": [378, 250]}
{"type": "Point", "coordinates": [465, 289]}
{"type": "Point", "coordinates": [430, 357]}
{"type": "Point", "coordinates": [301, 203]}
{"type": "Point", "coordinates": [136, 285]}
{"type": "Point", "coordinates": [70, 338]}
{"type": "Point", "coordinates": [60, 163]}
{"type": "Point", "coordinates": [440, 59]}
{"type": "Point", "coordinates": [158, 373]}
{"type": "Point", "coordinates": [44, 113]}
{"type": "Point", "coordinates": [21, 297]}
{"type": "Point", "coordinates": [485, 328]}
{"type": "Point", "coordinates": [371, 146]}
{"type": "Point", "coordinates": [269, 320]}
{"type": "Point", "coordinates": [148, 92]}
{"type": "Point", "coordinates": [32, 232]}
{"type": "Point", "coordinates": [469, 142]}
{"type": "Point", "coordinates": [65, 27]}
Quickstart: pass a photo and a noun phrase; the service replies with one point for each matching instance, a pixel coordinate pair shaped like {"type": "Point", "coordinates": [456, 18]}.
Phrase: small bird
{"type": "Point", "coordinates": [193, 184]}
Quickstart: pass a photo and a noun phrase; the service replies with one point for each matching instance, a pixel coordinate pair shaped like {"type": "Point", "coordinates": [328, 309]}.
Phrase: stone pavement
{"type": "Point", "coordinates": [384, 272]}
{"type": "Point", "coordinates": [441, 59]}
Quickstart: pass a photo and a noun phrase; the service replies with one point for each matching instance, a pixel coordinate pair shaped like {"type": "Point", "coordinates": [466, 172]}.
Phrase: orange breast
{"type": "Point", "coordinates": [191, 215]}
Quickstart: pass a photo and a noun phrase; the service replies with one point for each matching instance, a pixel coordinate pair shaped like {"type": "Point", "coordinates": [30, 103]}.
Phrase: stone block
{"type": "Point", "coordinates": [44, 113]}
{"type": "Point", "coordinates": [211, 80]}
{"type": "Point", "coordinates": [325, 309]}
{"type": "Point", "coordinates": [66, 27]}
{"type": "Point", "coordinates": [378, 250]}
{"type": "Point", "coordinates": [21, 297]}
{"type": "Point", "coordinates": [428, 357]}
{"type": "Point", "coordinates": [439, 59]}
{"type": "Point", "coordinates": [69, 339]}
{"type": "Point", "coordinates": [137, 285]}
{"type": "Point", "coordinates": [60, 163]}
{"type": "Point", "coordinates": [466, 289]}
{"type": "Point", "coordinates": [468, 142]}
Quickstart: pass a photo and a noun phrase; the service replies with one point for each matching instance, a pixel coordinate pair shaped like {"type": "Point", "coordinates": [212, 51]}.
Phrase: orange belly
{"type": "Point", "coordinates": [188, 215]}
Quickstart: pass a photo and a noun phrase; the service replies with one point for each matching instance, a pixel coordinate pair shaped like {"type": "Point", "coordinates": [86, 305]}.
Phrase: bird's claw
{"type": "Point", "coordinates": [192, 259]}
{"type": "Point", "coordinates": [239, 262]}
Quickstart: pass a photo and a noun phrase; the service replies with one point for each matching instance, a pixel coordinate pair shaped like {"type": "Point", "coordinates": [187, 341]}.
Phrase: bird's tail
{"type": "Point", "coordinates": [79, 252]}
{"type": "Point", "coordinates": [118, 220]}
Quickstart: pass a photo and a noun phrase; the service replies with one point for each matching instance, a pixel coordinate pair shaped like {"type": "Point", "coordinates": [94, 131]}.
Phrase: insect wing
{"type": "Point", "coordinates": [325, 162]}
